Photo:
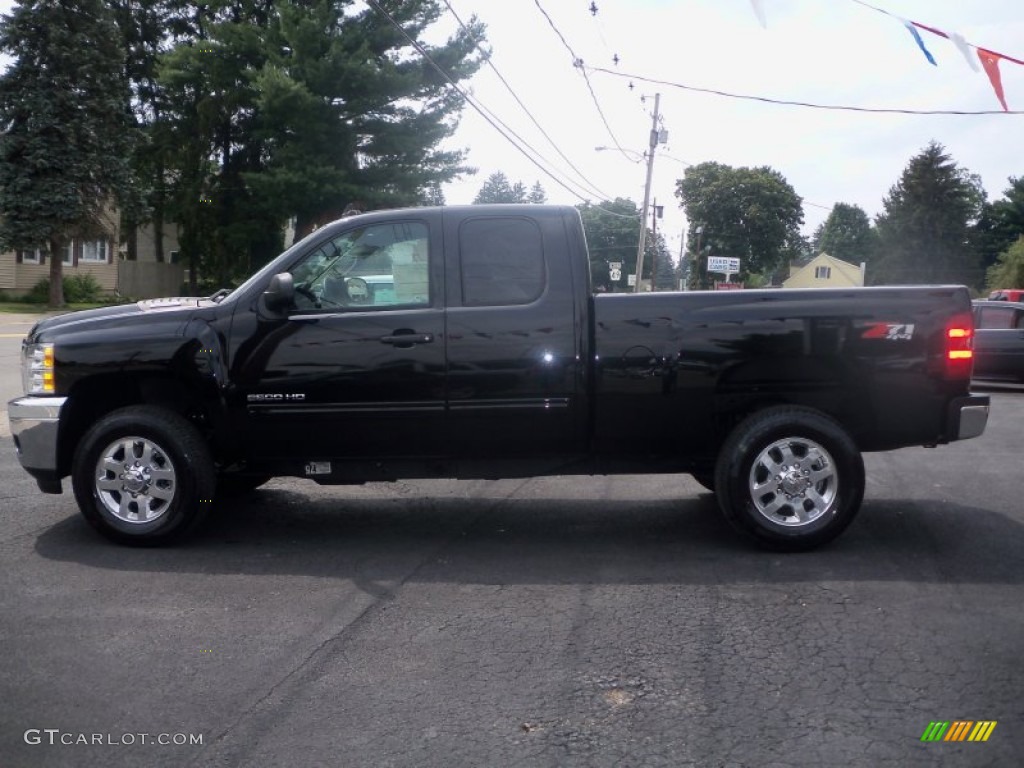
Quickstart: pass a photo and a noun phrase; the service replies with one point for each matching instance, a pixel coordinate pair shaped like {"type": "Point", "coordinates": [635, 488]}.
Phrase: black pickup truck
{"type": "Point", "coordinates": [466, 342]}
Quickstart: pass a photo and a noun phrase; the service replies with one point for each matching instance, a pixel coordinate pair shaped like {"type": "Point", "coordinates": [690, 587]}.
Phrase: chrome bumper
{"type": "Point", "coordinates": [34, 425]}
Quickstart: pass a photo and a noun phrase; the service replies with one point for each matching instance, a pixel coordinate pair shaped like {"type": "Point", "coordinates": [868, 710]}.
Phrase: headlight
{"type": "Point", "coordinates": [37, 369]}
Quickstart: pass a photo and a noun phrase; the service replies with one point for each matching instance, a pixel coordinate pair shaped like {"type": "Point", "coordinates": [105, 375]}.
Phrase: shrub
{"type": "Point", "coordinates": [81, 288]}
{"type": "Point", "coordinates": [40, 293]}
{"type": "Point", "coordinates": [78, 289]}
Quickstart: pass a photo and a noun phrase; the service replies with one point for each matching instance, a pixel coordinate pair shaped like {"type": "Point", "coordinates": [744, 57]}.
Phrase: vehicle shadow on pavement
{"type": "Point", "coordinates": [499, 540]}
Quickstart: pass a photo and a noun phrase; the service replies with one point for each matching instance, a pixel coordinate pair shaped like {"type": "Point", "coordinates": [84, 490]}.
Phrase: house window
{"type": "Point", "coordinates": [34, 256]}
{"type": "Point", "coordinates": [822, 273]}
{"type": "Point", "coordinates": [95, 252]}
{"type": "Point", "coordinates": [68, 253]}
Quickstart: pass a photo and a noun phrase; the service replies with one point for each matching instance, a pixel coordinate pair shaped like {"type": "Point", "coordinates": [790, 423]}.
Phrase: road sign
{"type": "Point", "coordinates": [614, 265]}
{"type": "Point", "coordinates": [723, 264]}
{"type": "Point", "coordinates": [615, 274]}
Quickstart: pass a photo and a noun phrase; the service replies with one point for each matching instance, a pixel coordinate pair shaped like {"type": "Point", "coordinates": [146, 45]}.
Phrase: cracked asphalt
{"type": "Point", "coordinates": [548, 622]}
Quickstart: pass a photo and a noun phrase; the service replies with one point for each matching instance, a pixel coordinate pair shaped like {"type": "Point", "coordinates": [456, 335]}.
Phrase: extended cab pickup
{"type": "Point", "coordinates": [466, 342]}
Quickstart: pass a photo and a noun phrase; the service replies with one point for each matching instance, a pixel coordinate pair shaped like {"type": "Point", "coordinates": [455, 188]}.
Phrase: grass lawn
{"type": "Point", "coordinates": [24, 308]}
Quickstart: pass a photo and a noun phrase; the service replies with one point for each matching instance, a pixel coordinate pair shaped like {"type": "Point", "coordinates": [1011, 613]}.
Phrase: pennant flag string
{"type": "Point", "coordinates": [989, 59]}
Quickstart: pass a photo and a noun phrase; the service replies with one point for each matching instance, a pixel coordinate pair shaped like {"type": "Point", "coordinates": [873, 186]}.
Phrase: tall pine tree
{"type": "Point", "coordinates": [64, 105]}
{"type": "Point", "coordinates": [926, 228]}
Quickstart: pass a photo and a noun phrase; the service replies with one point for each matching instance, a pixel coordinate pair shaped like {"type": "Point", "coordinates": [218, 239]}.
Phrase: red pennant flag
{"type": "Point", "coordinates": [990, 61]}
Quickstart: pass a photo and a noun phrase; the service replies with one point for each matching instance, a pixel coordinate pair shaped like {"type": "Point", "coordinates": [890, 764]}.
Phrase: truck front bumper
{"type": "Point", "coordinates": [968, 416]}
{"type": "Point", "coordinates": [34, 425]}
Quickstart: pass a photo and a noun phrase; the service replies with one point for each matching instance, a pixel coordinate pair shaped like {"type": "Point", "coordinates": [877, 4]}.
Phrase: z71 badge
{"type": "Point", "coordinates": [889, 331]}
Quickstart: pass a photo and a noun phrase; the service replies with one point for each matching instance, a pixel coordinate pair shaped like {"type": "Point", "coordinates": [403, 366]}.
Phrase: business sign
{"type": "Point", "coordinates": [724, 264]}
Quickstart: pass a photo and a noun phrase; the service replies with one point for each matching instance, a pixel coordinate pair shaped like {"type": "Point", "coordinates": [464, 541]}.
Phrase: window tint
{"type": "Point", "coordinates": [502, 262]}
{"type": "Point", "coordinates": [382, 265]}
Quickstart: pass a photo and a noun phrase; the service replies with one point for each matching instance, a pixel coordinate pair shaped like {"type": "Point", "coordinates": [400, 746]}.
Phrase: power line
{"type": "Point", "coordinates": [805, 104]}
{"type": "Point", "coordinates": [483, 112]}
{"type": "Point", "coordinates": [577, 62]}
{"type": "Point", "coordinates": [586, 182]}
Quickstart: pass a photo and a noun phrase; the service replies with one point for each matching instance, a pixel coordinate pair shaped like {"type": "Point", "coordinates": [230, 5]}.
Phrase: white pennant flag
{"type": "Point", "coordinates": [759, 10]}
{"type": "Point", "coordinates": [965, 48]}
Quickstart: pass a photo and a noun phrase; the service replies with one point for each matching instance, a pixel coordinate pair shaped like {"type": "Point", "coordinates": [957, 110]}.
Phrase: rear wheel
{"type": "Point", "coordinates": [143, 476]}
{"type": "Point", "coordinates": [790, 477]}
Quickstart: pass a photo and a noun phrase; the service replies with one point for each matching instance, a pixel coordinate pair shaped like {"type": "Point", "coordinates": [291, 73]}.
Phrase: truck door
{"type": "Point", "coordinates": [999, 342]}
{"type": "Point", "coordinates": [356, 370]}
{"type": "Point", "coordinates": [515, 361]}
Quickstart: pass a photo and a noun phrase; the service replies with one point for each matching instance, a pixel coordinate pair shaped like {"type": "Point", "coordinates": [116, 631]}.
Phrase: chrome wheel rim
{"type": "Point", "coordinates": [793, 482]}
{"type": "Point", "coordinates": [135, 480]}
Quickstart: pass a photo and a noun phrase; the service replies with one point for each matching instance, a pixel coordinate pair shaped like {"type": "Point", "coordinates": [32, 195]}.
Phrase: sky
{"type": "Point", "coordinates": [831, 52]}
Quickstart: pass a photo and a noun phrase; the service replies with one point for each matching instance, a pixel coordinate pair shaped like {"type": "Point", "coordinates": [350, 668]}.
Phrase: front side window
{"type": "Point", "coordinates": [502, 262]}
{"type": "Point", "coordinates": [376, 266]}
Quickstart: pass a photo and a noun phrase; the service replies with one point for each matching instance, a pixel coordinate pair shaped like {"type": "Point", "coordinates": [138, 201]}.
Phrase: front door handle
{"type": "Point", "coordinates": [407, 337]}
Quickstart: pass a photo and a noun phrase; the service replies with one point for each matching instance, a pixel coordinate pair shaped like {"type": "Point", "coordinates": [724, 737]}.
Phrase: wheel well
{"type": "Point", "coordinates": [93, 398]}
{"type": "Point", "coordinates": [730, 415]}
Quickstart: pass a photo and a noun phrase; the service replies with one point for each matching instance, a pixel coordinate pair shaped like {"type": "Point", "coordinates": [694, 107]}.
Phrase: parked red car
{"type": "Point", "coordinates": [1007, 294]}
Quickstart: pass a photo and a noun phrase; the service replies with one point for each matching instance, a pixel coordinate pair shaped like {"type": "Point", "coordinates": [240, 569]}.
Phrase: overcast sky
{"type": "Point", "coordinates": [835, 52]}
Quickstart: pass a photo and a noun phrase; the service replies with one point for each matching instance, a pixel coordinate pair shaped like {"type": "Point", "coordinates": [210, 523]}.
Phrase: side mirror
{"type": "Point", "coordinates": [280, 294]}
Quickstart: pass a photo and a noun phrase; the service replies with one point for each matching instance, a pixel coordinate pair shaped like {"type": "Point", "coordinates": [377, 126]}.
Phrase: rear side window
{"type": "Point", "coordinates": [502, 262]}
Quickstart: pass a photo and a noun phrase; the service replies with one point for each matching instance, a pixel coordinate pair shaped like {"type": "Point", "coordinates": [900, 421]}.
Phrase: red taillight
{"type": "Point", "coordinates": [960, 347]}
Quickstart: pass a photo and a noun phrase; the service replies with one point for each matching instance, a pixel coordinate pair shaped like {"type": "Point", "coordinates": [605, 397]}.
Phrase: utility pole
{"type": "Point", "coordinates": [647, 195]}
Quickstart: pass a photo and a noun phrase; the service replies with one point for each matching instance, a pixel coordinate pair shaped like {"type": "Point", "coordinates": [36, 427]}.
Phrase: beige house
{"type": "Point", "coordinates": [824, 271]}
{"type": "Point", "coordinates": [145, 278]}
{"type": "Point", "coordinates": [21, 270]}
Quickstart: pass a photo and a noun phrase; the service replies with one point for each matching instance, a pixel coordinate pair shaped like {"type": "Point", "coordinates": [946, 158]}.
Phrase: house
{"type": "Point", "coordinates": [21, 270]}
{"type": "Point", "coordinates": [824, 271]}
{"type": "Point", "coordinates": [100, 258]}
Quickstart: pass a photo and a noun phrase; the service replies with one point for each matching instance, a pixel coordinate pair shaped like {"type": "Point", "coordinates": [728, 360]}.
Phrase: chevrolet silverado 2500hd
{"type": "Point", "coordinates": [466, 342]}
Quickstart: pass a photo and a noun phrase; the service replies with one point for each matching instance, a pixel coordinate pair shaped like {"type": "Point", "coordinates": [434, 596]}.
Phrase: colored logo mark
{"type": "Point", "coordinates": [959, 730]}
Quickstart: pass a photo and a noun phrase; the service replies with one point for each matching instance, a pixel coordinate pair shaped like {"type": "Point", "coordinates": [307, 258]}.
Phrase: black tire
{"type": "Point", "coordinates": [790, 477]}
{"type": "Point", "coordinates": [231, 485]}
{"type": "Point", "coordinates": [143, 476]}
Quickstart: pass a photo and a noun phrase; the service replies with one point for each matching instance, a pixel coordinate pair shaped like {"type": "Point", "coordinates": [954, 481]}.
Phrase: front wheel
{"type": "Point", "coordinates": [143, 476]}
{"type": "Point", "coordinates": [790, 477]}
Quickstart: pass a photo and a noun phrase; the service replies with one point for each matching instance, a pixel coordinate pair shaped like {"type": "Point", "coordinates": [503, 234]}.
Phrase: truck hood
{"type": "Point", "coordinates": [121, 315]}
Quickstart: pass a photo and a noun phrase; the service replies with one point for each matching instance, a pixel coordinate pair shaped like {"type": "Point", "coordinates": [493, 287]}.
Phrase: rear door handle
{"type": "Point", "coordinates": [407, 338]}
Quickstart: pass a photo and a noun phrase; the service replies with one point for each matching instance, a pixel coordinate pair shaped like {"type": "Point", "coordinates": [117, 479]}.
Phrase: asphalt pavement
{"type": "Point", "coordinates": [547, 622]}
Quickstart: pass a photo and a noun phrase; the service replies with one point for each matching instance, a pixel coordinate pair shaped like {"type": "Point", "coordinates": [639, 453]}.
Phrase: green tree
{"type": "Point", "coordinates": [1008, 271]}
{"type": "Point", "coordinates": [537, 194]}
{"type": "Point", "coordinates": [926, 228]}
{"type": "Point", "coordinates": [612, 228]}
{"type": "Point", "coordinates": [498, 189]}
{"type": "Point", "coordinates": [64, 106]}
{"type": "Point", "coordinates": [748, 213]}
{"type": "Point", "coordinates": [281, 108]}
{"type": "Point", "coordinates": [1001, 223]}
{"type": "Point", "coordinates": [846, 234]}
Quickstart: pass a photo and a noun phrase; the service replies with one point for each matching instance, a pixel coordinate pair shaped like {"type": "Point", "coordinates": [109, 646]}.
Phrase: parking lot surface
{"type": "Point", "coordinates": [548, 622]}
